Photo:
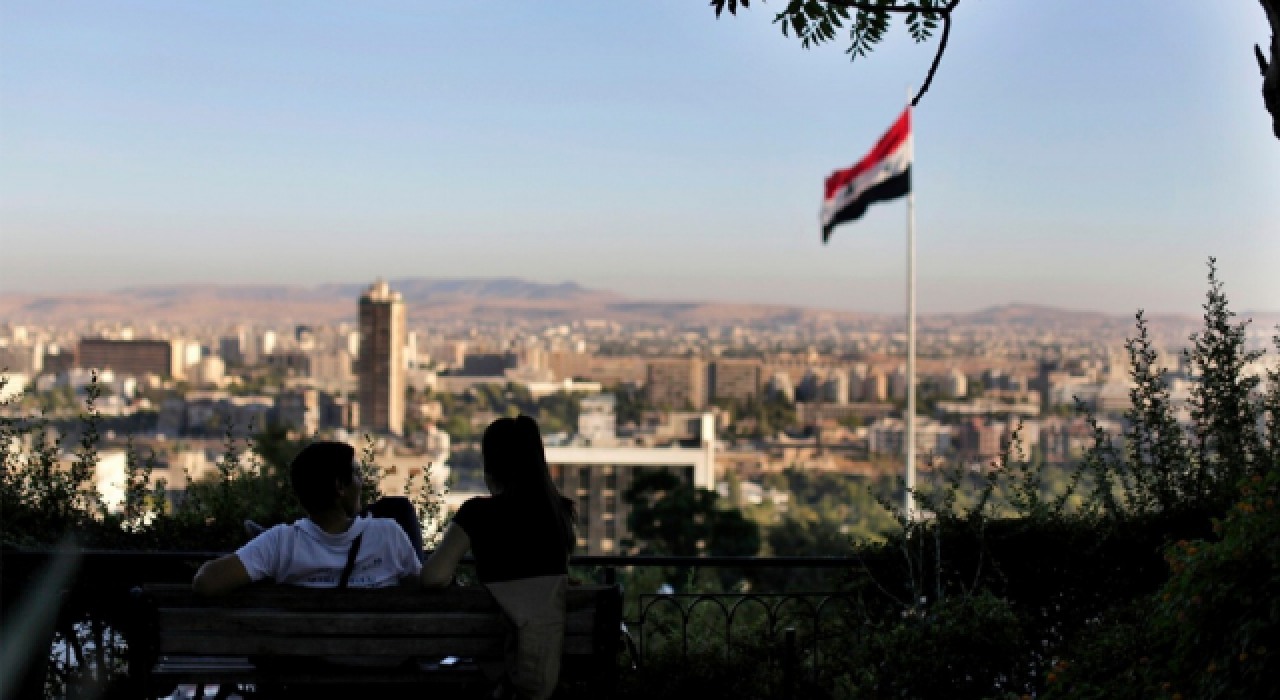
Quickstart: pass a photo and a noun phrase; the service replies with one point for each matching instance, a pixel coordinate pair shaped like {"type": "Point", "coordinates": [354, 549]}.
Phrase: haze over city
{"type": "Point", "coordinates": [1084, 155]}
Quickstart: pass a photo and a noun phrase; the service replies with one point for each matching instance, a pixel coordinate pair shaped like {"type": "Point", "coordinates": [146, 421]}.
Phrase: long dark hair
{"type": "Point", "coordinates": [515, 460]}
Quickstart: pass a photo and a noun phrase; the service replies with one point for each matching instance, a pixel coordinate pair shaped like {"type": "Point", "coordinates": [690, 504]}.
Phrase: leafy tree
{"type": "Point", "coordinates": [816, 22]}
{"type": "Point", "coordinates": [768, 414]}
{"type": "Point", "coordinates": [670, 516]}
{"type": "Point", "coordinates": [631, 404]}
{"type": "Point", "coordinates": [1163, 467]}
{"type": "Point", "coordinates": [1225, 417]}
{"type": "Point", "coordinates": [1153, 439]}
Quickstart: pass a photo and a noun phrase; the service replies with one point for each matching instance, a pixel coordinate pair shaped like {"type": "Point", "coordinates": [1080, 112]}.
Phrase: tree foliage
{"type": "Point", "coordinates": [868, 22]}
{"type": "Point", "coordinates": [670, 516]}
{"type": "Point", "coordinates": [816, 22]}
{"type": "Point", "coordinates": [44, 495]}
{"type": "Point", "coordinates": [1161, 581]}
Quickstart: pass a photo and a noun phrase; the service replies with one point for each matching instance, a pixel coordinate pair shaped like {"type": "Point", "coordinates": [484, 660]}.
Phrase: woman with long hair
{"type": "Point", "coordinates": [521, 537]}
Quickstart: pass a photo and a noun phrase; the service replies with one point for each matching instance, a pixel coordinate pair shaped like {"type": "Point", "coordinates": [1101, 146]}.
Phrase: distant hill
{"type": "Point", "coordinates": [422, 290]}
{"type": "Point", "coordinates": [427, 299]}
{"type": "Point", "coordinates": [511, 299]}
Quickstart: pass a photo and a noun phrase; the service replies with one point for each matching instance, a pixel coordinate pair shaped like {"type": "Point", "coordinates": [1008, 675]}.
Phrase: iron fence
{"type": "Point", "coordinates": [93, 625]}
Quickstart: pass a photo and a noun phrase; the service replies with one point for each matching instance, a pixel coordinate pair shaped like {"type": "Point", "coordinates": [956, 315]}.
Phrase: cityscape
{"type": "Point", "coordinates": [723, 394]}
{"type": "Point", "coordinates": [730, 350]}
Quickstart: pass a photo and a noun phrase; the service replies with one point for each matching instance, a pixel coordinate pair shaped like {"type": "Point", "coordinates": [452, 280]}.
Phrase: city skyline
{"type": "Point", "coordinates": [678, 158]}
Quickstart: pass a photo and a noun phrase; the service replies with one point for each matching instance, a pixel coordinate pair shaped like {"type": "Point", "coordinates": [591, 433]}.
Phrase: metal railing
{"type": "Point", "coordinates": [94, 616]}
{"type": "Point", "coordinates": [812, 605]}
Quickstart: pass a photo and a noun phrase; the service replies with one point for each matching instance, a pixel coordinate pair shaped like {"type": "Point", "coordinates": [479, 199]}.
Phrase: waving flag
{"type": "Point", "coordinates": [884, 174]}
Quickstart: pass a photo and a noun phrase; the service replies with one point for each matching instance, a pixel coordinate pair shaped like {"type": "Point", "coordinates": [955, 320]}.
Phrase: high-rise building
{"type": "Point", "coordinates": [26, 359]}
{"type": "Point", "coordinates": [489, 364]}
{"type": "Point", "coordinates": [898, 383]}
{"type": "Point", "coordinates": [810, 388]}
{"type": "Point", "coordinates": [780, 386]}
{"type": "Point", "coordinates": [234, 348]}
{"type": "Point", "coordinates": [381, 365]}
{"type": "Point", "coordinates": [299, 409]}
{"type": "Point", "coordinates": [836, 388]}
{"type": "Point", "coordinates": [676, 383]}
{"type": "Point", "coordinates": [876, 387]}
{"type": "Point", "coordinates": [135, 358]}
{"type": "Point", "coordinates": [955, 385]}
{"type": "Point", "coordinates": [268, 344]}
{"type": "Point", "coordinates": [735, 379]}
{"type": "Point", "coordinates": [58, 360]}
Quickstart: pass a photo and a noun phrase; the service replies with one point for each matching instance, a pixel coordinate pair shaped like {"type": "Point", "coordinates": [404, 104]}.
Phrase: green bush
{"type": "Point", "coordinates": [966, 647]}
{"type": "Point", "coordinates": [42, 500]}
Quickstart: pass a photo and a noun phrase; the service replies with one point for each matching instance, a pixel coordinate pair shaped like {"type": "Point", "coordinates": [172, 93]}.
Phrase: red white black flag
{"type": "Point", "coordinates": [884, 174]}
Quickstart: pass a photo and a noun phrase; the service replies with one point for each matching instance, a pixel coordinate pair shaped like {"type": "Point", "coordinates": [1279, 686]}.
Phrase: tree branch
{"type": "Point", "coordinates": [930, 9]}
{"type": "Point", "coordinates": [937, 57]}
{"type": "Point", "coordinates": [945, 12]}
{"type": "Point", "coordinates": [1271, 71]}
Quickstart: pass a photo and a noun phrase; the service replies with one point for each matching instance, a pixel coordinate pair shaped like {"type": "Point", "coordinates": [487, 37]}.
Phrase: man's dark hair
{"type": "Point", "coordinates": [315, 469]}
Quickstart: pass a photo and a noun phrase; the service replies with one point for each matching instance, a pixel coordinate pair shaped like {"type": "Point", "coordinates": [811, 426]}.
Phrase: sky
{"type": "Point", "coordinates": [1087, 154]}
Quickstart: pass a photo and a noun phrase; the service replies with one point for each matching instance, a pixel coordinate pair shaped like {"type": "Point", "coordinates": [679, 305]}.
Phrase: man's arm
{"type": "Point", "coordinates": [438, 571]}
{"type": "Point", "coordinates": [222, 575]}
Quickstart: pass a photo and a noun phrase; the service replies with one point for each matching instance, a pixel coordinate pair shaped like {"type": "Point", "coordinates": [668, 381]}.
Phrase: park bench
{"type": "Point", "coordinates": [280, 637]}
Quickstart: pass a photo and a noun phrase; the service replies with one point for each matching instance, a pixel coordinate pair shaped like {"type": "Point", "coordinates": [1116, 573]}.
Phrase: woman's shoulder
{"type": "Point", "coordinates": [473, 507]}
{"type": "Point", "coordinates": [477, 502]}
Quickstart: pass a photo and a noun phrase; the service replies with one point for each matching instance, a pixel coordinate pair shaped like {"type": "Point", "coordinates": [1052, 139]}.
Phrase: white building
{"type": "Point", "coordinates": [886, 436]}
{"type": "Point", "coordinates": [597, 424]}
{"type": "Point", "coordinates": [955, 385]}
{"type": "Point", "coordinates": [210, 371]}
{"type": "Point", "coordinates": [14, 385]}
{"type": "Point", "coordinates": [597, 477]}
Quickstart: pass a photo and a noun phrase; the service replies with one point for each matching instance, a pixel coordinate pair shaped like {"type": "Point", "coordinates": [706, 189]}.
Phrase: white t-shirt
{"type": "Point", "coordinates": [302, 554]}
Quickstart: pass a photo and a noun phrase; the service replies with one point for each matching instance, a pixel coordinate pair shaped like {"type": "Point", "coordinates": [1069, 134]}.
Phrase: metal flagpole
{"type": "Point", "coordinates": [909, 499]}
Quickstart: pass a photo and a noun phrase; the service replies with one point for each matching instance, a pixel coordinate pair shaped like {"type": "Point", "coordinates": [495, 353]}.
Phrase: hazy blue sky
{"type": "Point", "coordinates": [1081, 153]}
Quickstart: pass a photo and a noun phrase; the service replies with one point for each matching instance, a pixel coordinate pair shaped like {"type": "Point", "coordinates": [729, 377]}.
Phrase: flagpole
{"type": "Point", "coordinates": [909, 507]}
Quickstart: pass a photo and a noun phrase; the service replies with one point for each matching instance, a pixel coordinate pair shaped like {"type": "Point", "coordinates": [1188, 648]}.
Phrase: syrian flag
{"type": "Point", "coordinates": [884, 174]}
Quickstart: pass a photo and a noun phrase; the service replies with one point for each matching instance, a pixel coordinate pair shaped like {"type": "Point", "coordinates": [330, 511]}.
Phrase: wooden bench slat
{"type": "Point", "coordinates": [177, 672]}
{"type": "Point", "coordinates": [269, 622]}
{"type": "Point", "coordinates": [247, 645]}
{"type": "Point", "coordinates": [190, 638]}
{"type": "Point", "coordinates": [266, 622]}
{"type": "Point", "coordinates": [456, 599]}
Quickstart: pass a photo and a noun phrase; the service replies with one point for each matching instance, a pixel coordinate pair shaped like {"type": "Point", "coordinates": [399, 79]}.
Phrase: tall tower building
{"type": "Point", "coordinates": [677, 383]}
{"type": "Point", "coordinates": [381, 364]}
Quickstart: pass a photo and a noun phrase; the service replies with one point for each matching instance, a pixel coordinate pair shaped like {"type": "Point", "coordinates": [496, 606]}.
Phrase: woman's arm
{"type": "Point", "coordinates": [438, 571]}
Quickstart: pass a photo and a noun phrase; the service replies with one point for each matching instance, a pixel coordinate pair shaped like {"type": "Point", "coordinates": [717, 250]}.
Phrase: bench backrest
{"type": "Point", "coordinates": [393, 623]}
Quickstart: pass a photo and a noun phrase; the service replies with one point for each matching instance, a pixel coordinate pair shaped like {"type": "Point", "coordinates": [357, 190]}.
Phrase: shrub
{"type": "Point", "coordinates": [966, 647]}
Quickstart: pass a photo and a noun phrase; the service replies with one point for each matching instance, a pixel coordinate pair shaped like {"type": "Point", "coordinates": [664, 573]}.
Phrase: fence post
{"type": "Point", "coordinates": [610, 575]}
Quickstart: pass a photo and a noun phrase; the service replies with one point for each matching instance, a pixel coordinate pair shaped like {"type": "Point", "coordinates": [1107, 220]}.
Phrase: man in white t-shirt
{"type": "Point", "coordinates": [332, 547]}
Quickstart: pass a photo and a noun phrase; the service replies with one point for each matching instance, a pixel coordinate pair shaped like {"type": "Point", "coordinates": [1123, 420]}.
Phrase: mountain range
{"type": "Point", "coordinates": [492, 299]}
